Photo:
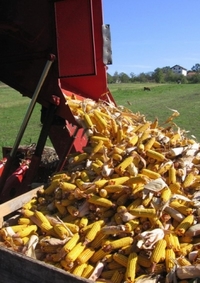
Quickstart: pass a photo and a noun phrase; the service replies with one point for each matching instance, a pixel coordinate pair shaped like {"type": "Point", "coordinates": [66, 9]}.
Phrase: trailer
{"type": "Point", "coordinates": [50, 50]}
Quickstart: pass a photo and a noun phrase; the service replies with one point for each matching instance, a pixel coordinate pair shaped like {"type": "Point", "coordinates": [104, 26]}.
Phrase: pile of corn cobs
{"type": "Point", "coordinates": [126, 208]}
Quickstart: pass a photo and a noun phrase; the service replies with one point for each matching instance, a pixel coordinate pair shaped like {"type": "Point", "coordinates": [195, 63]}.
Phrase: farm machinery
{"type": "Point", "coordinates": [50, 50]}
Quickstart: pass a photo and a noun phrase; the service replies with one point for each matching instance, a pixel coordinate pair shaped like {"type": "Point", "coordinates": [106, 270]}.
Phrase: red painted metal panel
{"type": "Point", "coordinates": [75, 38]}
{"type": "Point", "coordinates": [91, 86]}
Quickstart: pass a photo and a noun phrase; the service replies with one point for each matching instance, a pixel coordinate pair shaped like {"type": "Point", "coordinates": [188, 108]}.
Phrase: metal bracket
{"type": "Point", "coordinates": [107, 51]}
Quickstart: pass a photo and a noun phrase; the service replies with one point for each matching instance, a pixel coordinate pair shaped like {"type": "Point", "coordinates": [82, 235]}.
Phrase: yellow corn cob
{"type": "Point", "coordinates": [71, 243]}
{"type": "Point", "coordinates": [72, 227]}
{"type": "Point", "coordinates": [172, 175]}
{"type": "Point", "coordinates": [185, 249]}
{"type": "Point", "coordinates": [175, 188]}
{"type": "Point", "coordinates": [142, 128]}
{"type": "Point", "coordinates": [88, 121]}
{"type": "Point", "coordinates": [75, 252]}
{"type": "Point", "coordinates": [105, 140]}
{"type": "Point", "coordinates": [157, 144]}
{"type": "Point", "coordinates": [118, 181]}
{"type": "Point", "coordinates": [117, 244]}
{"type": "Point", "coordinates": [133, 140]}
{"type": "Point", "coordinates": [78, 270]}
{"type": "Point", "coordinates": [145, 136]}
{"type": "Point", "coordinates": [96, 243]}
{"type": "Point", "coordinates": [79, 157]}
{"type": "Point", "coordinates": [114, 127]}
{"type": "Point", "coordinates": [143, 212]}
{"type": "Point", "coordinates": [169, 259]}
{"type": "Point", "coordinates": [26, 231]}
{"type": "Point", "coordinates": [31, 204]}
{"type": "Point", "coordinates": [114, 188]}
{"type": "Point", "coordinates": [158, 253]}
{"type": "Point", "coordinates": [164, 167]}
{"type": "Point", "coordinates": [182, 261]}
{"type": "Point", "coordinates": [131, 225]}
{"type": "Point", "coordinates": [66, 265]}
{"type": "Point", "coordinates": [140, 179]}
{"type": "Point", "coordinates": [61, 231]}
{"type": "Point", "coordinates": [51, 188]}
{"type": "Point", "coordinates": [40, 216]}
{"type": "Point", "coordinates": [165, 195]}
{"type": "Point", "coordinates": [176, 243]}
{"type": "Point", "coordinates": [140, 148]}
{"type": "Point", "coordinates": [98, 255]}
{"type": "Point", "coordinates": [189, 180]}
{"type": "Point", "coordinates": [149, 173]}
{"type": "Point", "coordinates": [143, 260]}
{"type": "Point", "coordinates": [83, 222]}
{"type": "Point", "coordinates": [62, 209]}
{"type": "Point", "coordinates": [121, 259]}
{"type": "Point", "coordinates": [184, 225]}
{"type": "Point", "coordinates": [85, 255]}
{"type": "Point", "coordinates": [24, 221]}
{"type": "Point", "coordinates": [101, 120]}
{"type": "Point", "coordinates": [117, 277]}
{"type": "Point", "coordinates": [47, 228]}
{"type": "Point", "coordinates": [27, 213]}
{"type": "Point", "coordinates": [169, 241]}
{"type": "Point", "coordinates": [91, 234]}
{"type": "Point", "coordinates": [66, 186]}
{"type": "Point", "coordinates": [84, 176]}
{"type": "Point", "coordinates": [148, 145]}
{"type": "Point", "coordinates": [147, 200]}
{"type": "Point", "coordinates": [137, 202]}
{"type": "Point", "coordinates": [183, 209]}
{"type": "Point", "coordinates": [155, 155]}
{"type": "Point", "coordinates": [119, 169]}
{"type": "Point", "coordinates": [96, 168]}
{"type": "Point", "coordinates": [103, 193]}
{"type": "Point", "coordinates": [97, 148]}
{"type": "Point", "coordinates": [59, 176]}
{"type": "Point", "coordinates": [117, 157]}
{"type": "Point", "coordinates": [94, 199]}
{"type": "Point", "coordinates": [131, 267]}
{"type": "Point", "coordinates": [80, 183]}
{"type": "Point", "coordinates": [87, 271]}
{"type": "Point", "coordinates": [120, 135]}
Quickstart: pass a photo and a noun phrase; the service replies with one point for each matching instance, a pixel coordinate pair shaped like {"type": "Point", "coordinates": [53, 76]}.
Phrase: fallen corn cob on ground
{"type": "Point", "coordinates": [126, 209]}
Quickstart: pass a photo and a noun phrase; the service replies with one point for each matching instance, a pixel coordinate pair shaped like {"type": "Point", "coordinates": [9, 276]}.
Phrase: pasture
{"type": "Point", "coordinates": [185, 98]}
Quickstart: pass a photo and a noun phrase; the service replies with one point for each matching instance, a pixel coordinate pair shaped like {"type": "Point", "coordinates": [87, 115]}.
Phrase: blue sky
{"type": "Point", "coordinates": [147, 34]}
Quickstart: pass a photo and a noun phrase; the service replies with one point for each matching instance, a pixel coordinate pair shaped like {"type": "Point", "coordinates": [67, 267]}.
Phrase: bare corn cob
{"type": "Point", "coordinates": [169, 259]}
{"type": "Point", "coordinates": [75, 252]}
{"type": "Point", "coordinates": [85, 255]}
{"type": "Point", "coordinates": [131, 268]}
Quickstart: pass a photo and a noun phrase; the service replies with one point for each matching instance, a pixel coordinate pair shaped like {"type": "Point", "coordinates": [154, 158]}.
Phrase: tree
{"type": "Point", "coordinates": [116, 78]}
{"type": "Point", "coordinates": [158, 75]}
{"type": "Point", "coordinates": [109, 79]}
{"type": "Point", "coordinates": [124, 78]}
{"type": "Point", "coordinates": [196, 68]}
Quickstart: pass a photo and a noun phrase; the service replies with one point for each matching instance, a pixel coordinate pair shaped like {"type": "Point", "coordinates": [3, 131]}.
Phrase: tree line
{"type": "Point", "coordinates": [159, 75]}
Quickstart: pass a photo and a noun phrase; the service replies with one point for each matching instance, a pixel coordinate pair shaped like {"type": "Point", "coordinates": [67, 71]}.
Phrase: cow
{"type": "Point", "coordinates": [147, 88]}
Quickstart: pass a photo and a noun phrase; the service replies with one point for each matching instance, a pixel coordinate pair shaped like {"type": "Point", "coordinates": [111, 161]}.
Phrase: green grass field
{"type": "Point", "coordinates": [185, 98]}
